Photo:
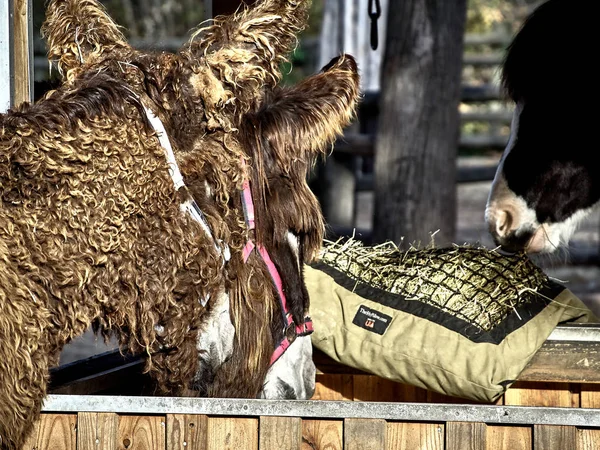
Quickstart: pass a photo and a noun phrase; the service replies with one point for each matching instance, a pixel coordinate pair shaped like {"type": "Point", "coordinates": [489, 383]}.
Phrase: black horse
{"type": "Point", "coordinates": [548, 178]}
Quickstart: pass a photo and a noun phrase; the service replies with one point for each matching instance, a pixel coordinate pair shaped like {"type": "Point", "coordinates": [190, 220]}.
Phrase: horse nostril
{"type": "Point", "coordinates": [504, 221]}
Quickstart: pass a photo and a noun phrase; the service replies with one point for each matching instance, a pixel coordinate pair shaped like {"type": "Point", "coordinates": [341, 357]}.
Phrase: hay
{"type": "Point", "coordinates": [476, 284]}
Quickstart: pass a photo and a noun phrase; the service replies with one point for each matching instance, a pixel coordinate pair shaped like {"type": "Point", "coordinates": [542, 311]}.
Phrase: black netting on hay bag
{"type": "Point", "coordinates": [477, 285]}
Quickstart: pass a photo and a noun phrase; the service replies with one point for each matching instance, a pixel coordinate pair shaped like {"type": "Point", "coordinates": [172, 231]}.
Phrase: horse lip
{"type": "Point", "coordinates": [515, 243]}
{"type": "Point", "coordinates": [506, 252]}
{"type": "Point", "coordinates": [538, 241]}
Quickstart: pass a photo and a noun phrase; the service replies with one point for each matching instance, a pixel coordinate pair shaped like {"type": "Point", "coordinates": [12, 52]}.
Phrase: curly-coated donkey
{"type": "Point", "coordinates": [151, 192]}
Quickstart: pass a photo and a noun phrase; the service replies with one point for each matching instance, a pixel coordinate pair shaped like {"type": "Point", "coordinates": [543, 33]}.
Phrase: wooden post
{"type": "Point", "coordinates": [16, 53]}
{"type": "Point", "coordinates": [23, 50]}
{"type": "Point", "coordinates": [5, 57]}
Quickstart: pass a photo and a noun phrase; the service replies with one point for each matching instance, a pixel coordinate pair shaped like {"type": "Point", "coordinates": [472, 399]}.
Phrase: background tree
{"type": "Point", "coordinates": [346, 27]}
{"type": "Point", "coordinates": [418, 130]}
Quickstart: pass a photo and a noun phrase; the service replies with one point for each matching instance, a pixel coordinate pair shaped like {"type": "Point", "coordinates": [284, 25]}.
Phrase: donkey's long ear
{"type": "Point", "coordinates": [77, 32]}
{"type": "Point", "coordinates": [302, 121]}
{"type": "Point", "coordinates": [241, 55]}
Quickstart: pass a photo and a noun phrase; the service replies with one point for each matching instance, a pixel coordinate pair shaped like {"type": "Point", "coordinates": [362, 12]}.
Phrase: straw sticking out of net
{"type": "Point", "coordinates": [475, 284]}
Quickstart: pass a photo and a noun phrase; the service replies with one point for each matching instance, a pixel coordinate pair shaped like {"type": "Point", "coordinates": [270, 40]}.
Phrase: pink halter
{"type": "Point", "coordinates": [304, 328]}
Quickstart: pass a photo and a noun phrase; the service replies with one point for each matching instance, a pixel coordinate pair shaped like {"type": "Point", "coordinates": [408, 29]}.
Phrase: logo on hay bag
{"type": "Point", "coordinates": [371, 320]}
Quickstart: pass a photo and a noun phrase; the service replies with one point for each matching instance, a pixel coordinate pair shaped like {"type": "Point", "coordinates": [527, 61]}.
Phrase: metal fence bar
{"type": "Point", "coordinates": [325, 409]}
{"type": "Point", "coordinates": [576, 333]}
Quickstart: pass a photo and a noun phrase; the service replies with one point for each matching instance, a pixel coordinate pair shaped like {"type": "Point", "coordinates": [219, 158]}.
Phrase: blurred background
{"type": "Point", "coordinates": [416, 165]}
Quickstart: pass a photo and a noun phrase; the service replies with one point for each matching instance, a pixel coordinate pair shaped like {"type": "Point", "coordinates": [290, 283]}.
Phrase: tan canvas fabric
{"type": "Point", "coordinates": [419, 352]}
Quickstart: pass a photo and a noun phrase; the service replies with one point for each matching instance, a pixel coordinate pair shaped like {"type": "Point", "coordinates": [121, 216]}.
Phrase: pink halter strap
{"type": "Point", "coordinates": [303, 329]}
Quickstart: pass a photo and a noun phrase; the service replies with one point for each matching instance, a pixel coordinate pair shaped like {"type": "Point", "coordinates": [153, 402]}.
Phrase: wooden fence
{"type": "Point", "coordinates": [157, 423]}
{"type": "Point", "coordinates": [555, 405]}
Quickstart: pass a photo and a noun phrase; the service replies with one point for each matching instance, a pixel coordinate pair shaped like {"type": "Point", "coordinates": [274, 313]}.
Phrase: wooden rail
{"type": "Point", "coordinates": [553, 406]}
{"type": "Point", "coordinates": [178, 423]}
{"type": "Point", "coordinates": [364, 144]}
{"type": "Point", "coordinates": [483, 59]}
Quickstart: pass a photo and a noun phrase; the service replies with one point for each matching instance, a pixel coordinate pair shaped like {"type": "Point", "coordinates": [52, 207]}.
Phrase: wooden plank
{"type": "Point", "coordinates": [334, 387]}
{"type": "Point", "coordinates": [541, 394]}
{"type": "Point", "coordinates": [469, 93]}
{"type": "Point", "coordinates": [435, 397]}
{"type": "Point", "coordinates": [364, 144]}
{"type": "Point", "coordinates": [484, 116]}
{"type": "Point", "coordinates": [408, 436]}
{"type": "Point", "coordinates": [52, 432]}
{"type": "Point", "coordinates": [590, 396]}
{"type": "Point", "coordinates": [31, 440]}
{"type": "Point", "coordinates": [141, 432]}
{"type": "Point", "coordinates": [554, 437]}
{"type": "Point", "coordinates": [186, 431]}
{"type": "Point", "coordinates": [327, 365]}
{"type": "Point", "coordinates": [568, 361]}
{"type": "Point", "coordinates": [369, 388]}
{"type": "Point", "coordinates": [508, 438]}
{"type": "Point", "coordinates": [97, 431]}
{"type": "Point", "coordinates": [493, 38]}
{"type": "Point", "coordinates": [588, 439]}
{"type": "Point", "coordinates": [322, 434]}
{"type": "Point", "coordinates": [466, 436]}
{"type": "Point", "coordinates": [5, 57]}
{"type": "Point", "coordinates": [22, 51]}
{"type": "Point", "coordinates": [229, 433]}
{"type": "Point", "coordinates": [483, 59]}
{"type": "Point", "coordinates": [467, 174]}
{"type": "Point", "coordinates": [364, 434]}
{"type": "Point", "coordinates": [280, 433]}
{"type": "Point", "coordinates": [407, 393]}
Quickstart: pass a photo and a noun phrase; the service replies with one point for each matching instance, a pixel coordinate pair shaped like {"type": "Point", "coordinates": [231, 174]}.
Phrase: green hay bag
{"type": "Point", "coordinates": [461, 321]}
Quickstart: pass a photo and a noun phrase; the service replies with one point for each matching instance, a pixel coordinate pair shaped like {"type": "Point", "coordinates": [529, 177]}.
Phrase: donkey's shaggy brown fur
{"type": "Point", "coordinates": [91, 230]}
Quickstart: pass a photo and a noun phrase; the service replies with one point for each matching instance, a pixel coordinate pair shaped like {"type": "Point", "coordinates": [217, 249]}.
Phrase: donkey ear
{"type": "Point", "coordinates": [77, 32]}
{"type": "Point", "coordinates": [308, 117]}
{"type": "Point", "coordinates": [238, 56]}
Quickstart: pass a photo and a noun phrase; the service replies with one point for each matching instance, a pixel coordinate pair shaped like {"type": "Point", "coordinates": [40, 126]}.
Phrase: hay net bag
{"type": "Point", "coordinates": [463, 321]}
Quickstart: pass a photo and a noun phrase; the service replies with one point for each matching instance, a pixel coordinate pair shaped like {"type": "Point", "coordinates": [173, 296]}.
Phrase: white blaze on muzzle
{"type": "Point", "coordinates": [508, 216]}
{"type": "Point", "coordinates": [293, 375]}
